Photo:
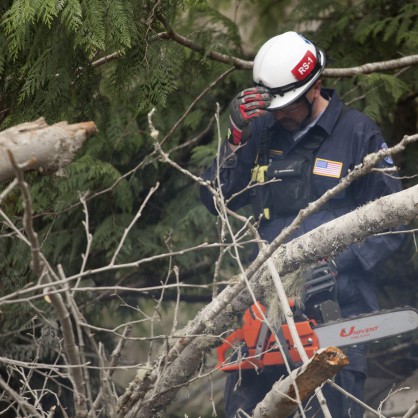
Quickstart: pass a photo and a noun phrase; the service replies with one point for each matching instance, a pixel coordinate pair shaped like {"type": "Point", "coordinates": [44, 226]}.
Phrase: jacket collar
{"type": "Point", "coordinates": [330, 116]}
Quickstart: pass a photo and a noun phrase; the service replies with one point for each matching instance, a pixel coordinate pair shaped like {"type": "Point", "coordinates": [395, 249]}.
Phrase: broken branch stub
{"type": "Point", "coordinates": [39, 146]}
{"type": "Point", "coordinates": [281, 402]}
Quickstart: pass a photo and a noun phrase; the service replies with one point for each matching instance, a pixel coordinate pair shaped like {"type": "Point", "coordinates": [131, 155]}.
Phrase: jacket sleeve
{"type": "Point", "coordinates": [374, 250]}
{"type": "Point", "coordinates": [231, 174]}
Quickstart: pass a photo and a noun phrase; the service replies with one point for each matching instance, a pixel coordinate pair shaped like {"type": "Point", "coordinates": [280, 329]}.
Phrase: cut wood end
{"type": "Point", "coordinates": [335, 357]}
{"type": "Point", "coordinates": [89, 127]}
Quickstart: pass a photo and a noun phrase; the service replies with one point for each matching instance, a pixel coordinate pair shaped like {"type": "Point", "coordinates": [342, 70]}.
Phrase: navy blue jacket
{"type": "Point", "coordinates": [349, 137]}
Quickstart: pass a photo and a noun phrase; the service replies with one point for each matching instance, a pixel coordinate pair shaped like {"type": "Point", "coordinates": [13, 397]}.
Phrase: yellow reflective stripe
{"type": "Point", "coordinates": [258, 173]}
{"type": "Point", "coordinates": [266, 213]}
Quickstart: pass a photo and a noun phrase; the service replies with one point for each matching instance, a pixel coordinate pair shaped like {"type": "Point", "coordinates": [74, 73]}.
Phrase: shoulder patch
{"type": "Point", "coordinates": [388, 159]}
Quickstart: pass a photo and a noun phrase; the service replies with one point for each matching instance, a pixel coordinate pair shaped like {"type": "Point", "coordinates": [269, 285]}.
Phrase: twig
{"type": "Point", "coordinates": [349, 395]}
{"type": "Point", "coordinates": [136, 217]}
{"type": "Point", "coordinates": [192, 105]}
{"type": "Point", "coordinates": [89, 237]}
{"type": "Point", "coordinates": [8, 189]}
{"type": "Point", "coordinates": [23, 403]}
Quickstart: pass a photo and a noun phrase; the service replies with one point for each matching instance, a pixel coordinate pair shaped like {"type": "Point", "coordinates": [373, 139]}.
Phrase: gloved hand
{"type": "Point", "coordinates": [248, 104]}
{"type": "Point", "coordinates": [320, 281]}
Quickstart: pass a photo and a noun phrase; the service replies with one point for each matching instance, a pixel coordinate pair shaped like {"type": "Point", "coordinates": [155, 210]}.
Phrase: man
{"type": "Point", "coordinates": [300, 140]}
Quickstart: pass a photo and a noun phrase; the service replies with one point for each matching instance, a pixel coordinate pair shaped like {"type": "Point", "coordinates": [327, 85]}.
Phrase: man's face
{"type": "Point", "coordinates": [293, 117]}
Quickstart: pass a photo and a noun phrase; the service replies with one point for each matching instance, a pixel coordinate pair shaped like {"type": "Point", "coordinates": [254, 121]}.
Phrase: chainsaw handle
{"type": "Point", "coordinates": [229, 365]}
{"type": "Point", "coordinates": [227, 344]}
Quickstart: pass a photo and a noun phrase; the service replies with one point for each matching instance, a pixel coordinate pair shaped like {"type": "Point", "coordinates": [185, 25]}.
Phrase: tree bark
{"type": "Point", "coordinates": [149, 397]}
{"type": "Point", "coordinates": [39, 146]}
{"type": "Point", "coordinates": [281, 401]}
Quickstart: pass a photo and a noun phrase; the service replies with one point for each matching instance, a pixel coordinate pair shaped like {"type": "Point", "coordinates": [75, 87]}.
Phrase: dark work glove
{"type": "Point", "coordinates": [248, 104]}
{"type": "Point", "coordinates": [319, 295]}
{"type": "Point", "coordinates": [320, 281]}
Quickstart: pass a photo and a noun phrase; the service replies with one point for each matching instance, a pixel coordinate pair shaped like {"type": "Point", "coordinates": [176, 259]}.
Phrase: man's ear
{"type": "Point", "coordinates": [317, 87]}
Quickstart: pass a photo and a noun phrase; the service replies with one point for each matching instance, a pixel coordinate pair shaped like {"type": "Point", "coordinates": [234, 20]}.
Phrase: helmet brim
{"type": "Point", "coordinates": [279, 102]}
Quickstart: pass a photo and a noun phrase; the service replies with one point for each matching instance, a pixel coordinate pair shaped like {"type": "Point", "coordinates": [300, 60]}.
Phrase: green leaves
{"type": "Point", "coordinates": [398, 28]}
{"type": "Point", "coordinates": [91, 23]}
{"type": "Point", "coordinates": [48, 49]}
{"type": "Point", "coordinates": [123, 26]}
{"type": "Point", "coordinates": [16, 22]}
{"type": "Point", "coordinates": [379, 92]}
{"type": "Point", "coordinates": [91, 34]}
{"type": "Point", "coordinates": [71, 15]}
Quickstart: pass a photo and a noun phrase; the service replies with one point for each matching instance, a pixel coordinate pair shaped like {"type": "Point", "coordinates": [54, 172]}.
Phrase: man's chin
{"type": "Point", "coordinates": [289, 125]}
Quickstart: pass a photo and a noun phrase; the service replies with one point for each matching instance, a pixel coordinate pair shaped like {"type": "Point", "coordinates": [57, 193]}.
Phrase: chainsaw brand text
{"type": "Point", "coordinates": [353, 331]}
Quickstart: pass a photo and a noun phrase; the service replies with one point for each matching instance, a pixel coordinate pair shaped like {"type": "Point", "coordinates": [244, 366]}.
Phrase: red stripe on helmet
{"type": "Point", "coordinates": [305, 66]}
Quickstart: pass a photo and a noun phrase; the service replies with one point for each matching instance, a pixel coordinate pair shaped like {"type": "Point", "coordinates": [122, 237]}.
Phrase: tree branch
{"type": "Point", "coordinates": [248, 65]}
{"type": "Point", "coordinates": [41, 270]}
{"type": "Point", "coordinates": [45, 147]}
{"type": "Point", "coordinates": [280, 402]}
{"type": "Point", "coordinates": [242, 64]}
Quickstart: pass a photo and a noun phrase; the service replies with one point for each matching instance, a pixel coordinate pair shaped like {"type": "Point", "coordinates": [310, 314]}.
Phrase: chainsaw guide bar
{"type": "Point", "coordinates": [255, 345]}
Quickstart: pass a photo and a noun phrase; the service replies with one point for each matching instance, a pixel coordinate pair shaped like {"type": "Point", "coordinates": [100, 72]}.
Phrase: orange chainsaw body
{"type": "Point", "coordinates": [246, 347]}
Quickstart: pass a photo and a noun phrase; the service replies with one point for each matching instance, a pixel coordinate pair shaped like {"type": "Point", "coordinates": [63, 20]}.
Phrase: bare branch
{"type": "Point", "coordinates": [136, 217]}
{"type": "Point", "coordinates": [280, 401]}
{"type": "Point", "coordinates": [39, 268]}
{"type": "Point", "coordinates": [349, 395]}
{"type": "Point", "coordinates": [23, 403]}
{"type": "Point", "coordinates": [374, 67]}
{"type": "Point", "coordinates": [242, 64]}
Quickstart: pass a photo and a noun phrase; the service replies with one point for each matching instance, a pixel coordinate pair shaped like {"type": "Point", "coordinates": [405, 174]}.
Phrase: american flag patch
{"type": "Point", "coordinates": [327, 168]}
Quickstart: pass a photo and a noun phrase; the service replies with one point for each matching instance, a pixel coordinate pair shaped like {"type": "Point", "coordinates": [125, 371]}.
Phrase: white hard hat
{"type": "Point", "coordinates": [288, 65]}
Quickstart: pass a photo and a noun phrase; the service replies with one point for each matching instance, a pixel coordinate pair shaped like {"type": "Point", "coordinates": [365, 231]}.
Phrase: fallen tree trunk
{"type": "Point", "coordinates": [281, 401]}
{"type": "Point", "coordinates": [39, 146]}
{"type": "Point", "coordinates": [145, 398]}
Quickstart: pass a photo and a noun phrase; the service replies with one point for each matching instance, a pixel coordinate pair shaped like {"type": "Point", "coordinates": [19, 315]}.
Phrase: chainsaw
{"type": "Point", "coordinates": [255, 345]}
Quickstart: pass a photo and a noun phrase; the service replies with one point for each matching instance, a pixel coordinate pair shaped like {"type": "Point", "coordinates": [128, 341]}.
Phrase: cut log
{"type": "Point", "coordinates": [281, 401]}
{"type": "Point", "coordinates": [39, 146]}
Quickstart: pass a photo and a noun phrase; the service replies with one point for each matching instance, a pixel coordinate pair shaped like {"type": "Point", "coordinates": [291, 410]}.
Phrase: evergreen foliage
{"type": "Point", "coordinates": [107, 61]}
